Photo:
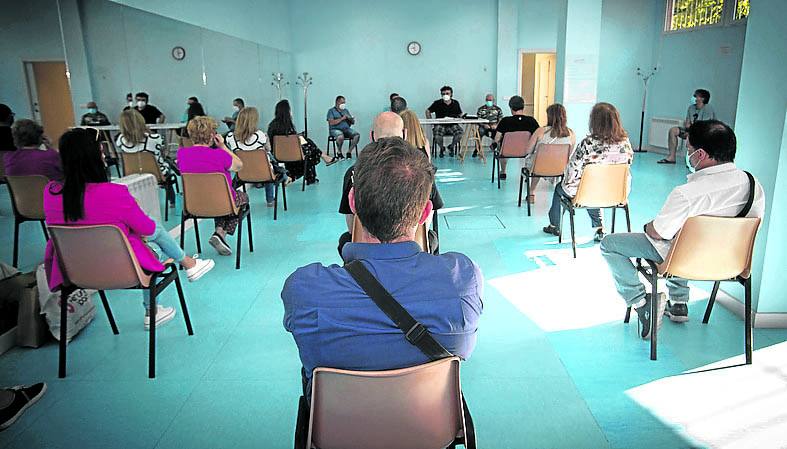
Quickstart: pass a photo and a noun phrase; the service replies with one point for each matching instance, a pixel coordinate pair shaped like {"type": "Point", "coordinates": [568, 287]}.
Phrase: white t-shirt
{"type": "Point", "coordinates": [719, 191]}
{"type": "Point", "coordinates": [253, 142]}
{"type": "Point", "coordinates": [153, 143]}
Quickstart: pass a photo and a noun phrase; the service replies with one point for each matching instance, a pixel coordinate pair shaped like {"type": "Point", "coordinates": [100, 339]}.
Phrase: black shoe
{"type": "Point", "coordinates": [598, 236]}
{"type": "Point", "coordinates": [644, 315]}
{"type": "Point", "coordinates": [442, 152]}
{"type": "Point", "coordinates": [475, 153]}
{"type": "Point", "coordinates": [551, 230]}
{"type": "Point", "coordinates": [339, 155]}
{"type": "Point", "coordinates": [24, 397]}
{"type": "Point", "coordinates": [503, 176]}
{"type": "Point", "coordinates": [349, 155]}
{"type": "Point", "coordinates": [312, 181]}
{"type": "Point", "coordinates": [677, 312]}
{"type": "Point", "coordinates": [219, 244]}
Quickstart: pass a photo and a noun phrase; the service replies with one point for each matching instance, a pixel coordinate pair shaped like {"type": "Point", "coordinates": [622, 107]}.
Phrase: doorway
{"type": "Point", "coordinates": [50, 97]}
{"type": "Point", "coordinates": [537, 82]}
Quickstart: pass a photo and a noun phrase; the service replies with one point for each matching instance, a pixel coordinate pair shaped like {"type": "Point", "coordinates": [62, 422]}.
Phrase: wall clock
{"type": "Point", "coordinates": [414, 48]}
{"type": "Point", "coordinates": [178, 53]}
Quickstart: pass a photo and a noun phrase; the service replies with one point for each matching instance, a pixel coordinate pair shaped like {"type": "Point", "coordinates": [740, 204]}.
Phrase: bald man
{"type": "Point", "coordinates": [387, 124]}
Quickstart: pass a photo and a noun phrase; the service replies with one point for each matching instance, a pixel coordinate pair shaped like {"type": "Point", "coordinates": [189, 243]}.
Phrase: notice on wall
{"type": "Point", "coordinates": [581, 79]}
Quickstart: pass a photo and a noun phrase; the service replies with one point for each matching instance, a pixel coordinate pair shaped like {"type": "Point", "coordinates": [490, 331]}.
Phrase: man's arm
{"type": "Point", "coordinates": [428, 113]}
{"type": "Point", "coordinates": [161, 118]}
{"type": "Point", "coordinates": [336, 121]}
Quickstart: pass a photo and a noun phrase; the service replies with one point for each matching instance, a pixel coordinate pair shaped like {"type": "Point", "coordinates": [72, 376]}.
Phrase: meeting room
{"type": "Point", "coordinates": [307, 207]}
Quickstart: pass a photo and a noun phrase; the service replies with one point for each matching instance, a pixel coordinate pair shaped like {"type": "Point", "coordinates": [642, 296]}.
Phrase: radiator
{"type": "Point", "coordinates": [659, 130]}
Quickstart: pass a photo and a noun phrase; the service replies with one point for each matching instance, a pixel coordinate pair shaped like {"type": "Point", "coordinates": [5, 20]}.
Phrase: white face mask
{"type": "Point", "coordinates": [141, 104]}
{"type": "Point", "coordinates": [131, 103]}
{"type": "Point", "coordinates": [692, 168]}
{"type": "Point", "coordinates": [446, 97]}
{"type": "Point", "coordinates": [342, 106]}
{"type": "Point", "coordinates": [236, 108]}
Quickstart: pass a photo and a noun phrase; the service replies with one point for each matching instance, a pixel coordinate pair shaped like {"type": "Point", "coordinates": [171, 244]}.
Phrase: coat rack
{"type": "Point", "coordinates": [645, 78]}
{"type": "Point", "coordinates": [278, 82]}
{"type": "Point", "coordinates": [304, 80]}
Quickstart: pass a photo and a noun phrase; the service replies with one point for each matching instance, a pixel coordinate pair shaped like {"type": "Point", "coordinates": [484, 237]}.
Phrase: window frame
{"type": "Point", "coordinates": [727, 18]}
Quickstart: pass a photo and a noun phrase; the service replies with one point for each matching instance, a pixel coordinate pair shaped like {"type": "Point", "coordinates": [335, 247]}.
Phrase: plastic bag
{"type": "Point", "coordinates": [81, 309]}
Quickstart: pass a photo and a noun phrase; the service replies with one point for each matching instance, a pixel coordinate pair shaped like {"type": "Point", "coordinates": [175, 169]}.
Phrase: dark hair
{"type": "Point", "coordinates": [143, 95]}
{"type": "Point", "coordinates": [281, 125]}
{"type": "Point", "coordinates": [715, 138]}
{"type": "Point", "coordinates": [194, 99]}
{"type": "Point", "coordinates": [605, 125]}
{"type": "Point", "coordinates": [6, 114]}
{"type": "Point", "coordinates": [556, 118]}
{"type": "Point", "coordinates": [516, 103]}
{"type": "Point", "coordinates": [240, 100]}
{"type": "Point", "coordinates": [128, 95]}
{"type": "Point", "coordinates": [195, 110]}
{"type": "Point", "coordinates": [27, 133]}
{"type": "Point", "coordinates": [398, 104]}
{"type": "Point", "coordinates": [80, 154]}
{"type": "Point", "coordinates": [392, 182]}
{"type": "Point", "coordinates": [338, 97]}
{"type": "Point", "coordinates": [704, 94]}
{"type": "Point", "coordinates": [444, 88]}
{"type": "Point", "coordinates": [392, 96]}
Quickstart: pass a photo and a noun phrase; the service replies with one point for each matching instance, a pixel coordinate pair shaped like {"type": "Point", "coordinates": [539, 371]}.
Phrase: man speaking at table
{"type": "Point", "coordinates": [442, 108]}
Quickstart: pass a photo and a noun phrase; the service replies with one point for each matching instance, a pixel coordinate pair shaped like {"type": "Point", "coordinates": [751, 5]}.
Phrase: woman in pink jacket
{"type": "Point", "coordinates": [86, 197]}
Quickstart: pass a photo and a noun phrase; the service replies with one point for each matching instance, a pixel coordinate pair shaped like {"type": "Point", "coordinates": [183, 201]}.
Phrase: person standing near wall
{"type": "Point", "coordinates": [699, 109]}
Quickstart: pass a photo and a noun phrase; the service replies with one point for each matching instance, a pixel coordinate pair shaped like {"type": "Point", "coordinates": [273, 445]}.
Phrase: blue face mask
{"type": "Point", "coordinates": [489, 104]}
{"type": "Point", "coordinates": [693, 100]}
{"type": "Point", "coordinates": [92, 110]}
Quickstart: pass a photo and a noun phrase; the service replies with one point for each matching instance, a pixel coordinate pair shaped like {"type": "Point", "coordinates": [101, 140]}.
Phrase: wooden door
{"type": "Point", "coordinates": [545, 85]}
{"type": "Point", "coordinates": [52, 98]}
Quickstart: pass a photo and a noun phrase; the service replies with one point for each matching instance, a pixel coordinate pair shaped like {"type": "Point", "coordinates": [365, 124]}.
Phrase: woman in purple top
{"type": "Point", "coordinates": [32, 156]}
{"type": "Point", "coordinates": [203, 157]}
{"type": "Point", "coordinates": [86, 197]}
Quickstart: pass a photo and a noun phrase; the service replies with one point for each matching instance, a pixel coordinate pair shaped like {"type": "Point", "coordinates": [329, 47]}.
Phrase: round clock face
{"type": "Point", "coordinates": [178, 53]}
{"type": "Point", "coordinates": [414, 48]}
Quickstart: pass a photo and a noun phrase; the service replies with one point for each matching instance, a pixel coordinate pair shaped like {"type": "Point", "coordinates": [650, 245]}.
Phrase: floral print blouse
{"type": "Point", "coordinates": [593, 151]}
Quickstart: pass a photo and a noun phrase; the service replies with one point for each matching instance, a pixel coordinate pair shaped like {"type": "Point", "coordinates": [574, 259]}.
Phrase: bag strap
{"type": "Point", "coordinates": [415, 332]}
{"type": "Point", "coordinates": [750, 200]}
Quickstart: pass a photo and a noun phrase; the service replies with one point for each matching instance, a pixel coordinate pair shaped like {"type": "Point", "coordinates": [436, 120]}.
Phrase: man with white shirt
{"type": "Point", "coordinates": [717, 188]}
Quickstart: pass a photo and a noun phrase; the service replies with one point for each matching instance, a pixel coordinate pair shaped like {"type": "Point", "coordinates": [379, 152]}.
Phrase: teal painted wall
{"type": "Point", "coordinates": [762, 144]}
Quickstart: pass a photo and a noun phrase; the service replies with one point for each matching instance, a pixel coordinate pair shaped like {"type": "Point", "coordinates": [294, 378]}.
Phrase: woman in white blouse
{"type": "Point", "coordinates": [135, 137]}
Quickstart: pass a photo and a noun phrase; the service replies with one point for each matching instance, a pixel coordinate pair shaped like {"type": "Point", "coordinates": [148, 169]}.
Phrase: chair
{"type": "Point", "coordinates": [207, 195]}
{"type": "Point", "coordinates": [110, 157]}
{"type": "Point", "coordinates": [603, 186]}
{"type": "Point", "coordinates": [550, 162]}
{"type": "Point", "coordinates": [2, 167]}
{"type": "Point", "coordinates": [288, 149]}
{"type": "Point", "coordinates": [145, 162]}
{"type": "Point", "coordinates": [100, 258]}
{"type": "Point", "coordinates": [27, 200]}
{"type": "Point", "coordinates": [513, 146]}
{"type": "Point", "coordinates": [257, 168]}
{"type": "Point", "coordinates": [472, 135]}
{"type": "Point", "coordinates": [419, 407]}
{"type": "Point", "coordinates": [186, 142]}
{"type": "Point", "coordinates": [421, 234]}
{"type": "Point", "coordinates": [708, 249]}
{"type": "Point", "coordinates": [332, 139]}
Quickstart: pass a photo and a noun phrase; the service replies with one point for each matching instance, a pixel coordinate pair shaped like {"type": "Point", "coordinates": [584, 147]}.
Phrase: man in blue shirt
{"type": "Point", "coordinates": [335, 324]}
{"type": "Point", "coordinates": [339, 126]}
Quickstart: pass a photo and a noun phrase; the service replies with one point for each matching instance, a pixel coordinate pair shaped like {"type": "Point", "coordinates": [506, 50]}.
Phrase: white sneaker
{"type": "Point", "coordinates": [163, 314]}
{"type": "Point", "coordinates": [201, 267]}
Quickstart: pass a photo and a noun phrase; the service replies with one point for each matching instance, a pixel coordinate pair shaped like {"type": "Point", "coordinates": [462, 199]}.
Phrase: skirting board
{"type": "Point", "coordinates": [761, 320]}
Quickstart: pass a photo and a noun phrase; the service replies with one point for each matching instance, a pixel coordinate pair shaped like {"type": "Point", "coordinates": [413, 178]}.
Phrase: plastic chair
{"type": "Point", "coordinates": [288, 149]}
{"type": "Point", "coordinates": [419, 407]}
{"type": "Point", "coordinates": [550, 162]}
{"type": "Point", "coordinates": [100, 258]}
{"type": "Point", "coordinates": [703, 250]}
{"type": "Point", "coordinates": [207, 195]}
{"type": "Point", "coordinates": [27, 200]}
{"type": "Point", "coordinates": [513, 146]}
{"type": "Point", "coordinates": [257, 168]}
{"type": "Point", "coordinates": [145, 162]}
{"type": "Point", "coordinates": [110, 156]}
{"type": "Point", "coordinates": [421, 234]}
{"type": "Point", "coordinates": [332, 139]}
{"type": "Point", "coordinates": [602, 186]}
{"type": "Point", "coordinates": [2, 167]}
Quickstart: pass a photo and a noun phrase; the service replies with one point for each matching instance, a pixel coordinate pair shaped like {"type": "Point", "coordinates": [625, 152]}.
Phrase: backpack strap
{"type": "Point", "coordinates": [747, 207]}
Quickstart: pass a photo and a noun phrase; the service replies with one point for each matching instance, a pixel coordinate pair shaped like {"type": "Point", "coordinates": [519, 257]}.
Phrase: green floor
{"type": "Point", "coordinates": [542, 375]}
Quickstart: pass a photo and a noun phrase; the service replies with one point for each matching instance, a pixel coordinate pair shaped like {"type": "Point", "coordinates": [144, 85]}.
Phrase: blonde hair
{"type": "Point", "coordinates": [201, 130]}
{"type": "Point", "coordinates": [247, 123]}
{"type": "Point", "coordinates": [132, 126]}
{"type": "Point", "coordinates": [415, 134]}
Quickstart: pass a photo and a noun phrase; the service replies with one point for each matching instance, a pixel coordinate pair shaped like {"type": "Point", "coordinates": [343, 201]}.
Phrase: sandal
{"type": "Point", "coordinates": [332, 161]}
{"type": "Point", "coordinates": [665, 161]}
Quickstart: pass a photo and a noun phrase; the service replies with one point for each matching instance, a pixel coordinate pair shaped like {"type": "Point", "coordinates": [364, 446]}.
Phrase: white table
{"type": "Point", "coordinates": [144, 188]}
{"type": "Point", "coordinates": [169, 138]}
{"type": "Point", "coordinates": [470, 132]}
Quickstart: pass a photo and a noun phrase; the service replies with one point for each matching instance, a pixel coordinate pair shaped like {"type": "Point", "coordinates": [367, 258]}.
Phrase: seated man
{"type": "Point", "coordinates": [718, 188]}
{"type": "Point", "coordinates": [517, 121]}
{"type": "Point", "coordinates": [237, 105]}
{"type": "Point", "coordinates": [699, 109]}
{"type": "Point", "coordinates": [150, 113]}
{"type": "Point", "coordinates": [93, 116]}
{"type": "Point", "coordinates": [129, 101]}
{"type": "Point", "coordinates": [339, 122]}
{"type": "Point", "coordinates": [492, 112]}
{"type": "Point", "coordinates": [442, 108]}
{"type": "Point", "coordinates": [390, 99]}
{"type": "Point", "coordinates": [386, 124]}
{"type": "Point", "coordinates": [33, 156]}
{"type": "Point", "coordinates": [335, 324]}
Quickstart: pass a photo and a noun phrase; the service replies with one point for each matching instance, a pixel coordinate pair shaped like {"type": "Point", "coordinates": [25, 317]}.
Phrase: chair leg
{"type": "Point", "coordinates": [435, 224]}
{"type": "Point", "coordinates": [183, 307]}
{"type": "Point", "coordinates": [470, 440]}
{"type": "Point", "coordinates": [16, 243]}
{"type": "Point", "coordinates": [521, 181]}
{"type": "Point", "coordinates": [527, 200]}
{"type": "Point", "coordinates": [628, 217]}
{"type": "Point", "coordinates": [573, 234]}
{"type": "Point", "coordinates": [166, 205]}
{"type": "Point", "coordinates": [238, 243]}
{"type": "Point", "coordinates": [108, 310]}
{"type": "Point", "coordinates": [749, 338]}
{"type": "Point", "coordinates": [628, 315]}
{"type": "Point", "coordinates": [196, 235]}
{"type": "Point", "coordinates": [560, 228]}
{"type": "Point", "coordinates": [275, 200]}
{"type": "Point", "coordinates": [182, 230]}
{"type": "Point", "coordinates": [43, 228]}
{"type": "Point", "coordinates": [248, 225]}
{"type": "Point", "coordinates": [711, 302]}
{"type": "Point", "coordinates": [614, 209]}
{"type": "Point", "coordinates": [152, 339]}
{"type": "Point", "coordinates": [654, 303]}
{"type": "Point", "coordinates": [494, 161]}
{"type": "Point", "coordinates": [284, 195]}
{"type": "Point", "coordinates": [498, 173]}
{"type": "Point", "coordinates": [61, 371]}
{"type": "Point", "coordinates": [305, 168]}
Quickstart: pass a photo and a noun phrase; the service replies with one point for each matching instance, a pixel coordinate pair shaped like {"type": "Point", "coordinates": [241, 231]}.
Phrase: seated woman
{"type": "Point", "coordinates": [282, 125]}
{"type": "Point", "coordinates": [194, 109]}
{"type": "Point", "coordinates": [248, 137]}
{"type": "Point", "coordinates": [607, 143]}
{"type": "Point", "coordinates": [203, 157]}
{"type": "Point", "coordinates": [32, 156]}
{"type": "Point", "coordinates": [86, 197]}
{"type": "Point", "coordinates": [414, 133]}
{"type": "Point", "coordinates": [135, 137]}
{"type": "Point", "coordinates": [556, 132]}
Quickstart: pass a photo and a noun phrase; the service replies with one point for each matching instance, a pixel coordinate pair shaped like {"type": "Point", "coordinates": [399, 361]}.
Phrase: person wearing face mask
{"type": "Point", "coordinates": [150, 113]}
{"type": "Point", "coordinates": [237, 105]}
{"type": "Point", "coordinates": [718, 188]}
{"type": "Point", "coordinates": [446, 106]}
{"type": "Point", "coordinates": [699, 109]}
{"type": "Point", "coordinates": [93, 116]}
{"type": "Point", "coordinates": [492, 112]}
{"type": "Point", "coordinates": [129, 102]}
{"type": "Point", "coordinates": [339, 127]}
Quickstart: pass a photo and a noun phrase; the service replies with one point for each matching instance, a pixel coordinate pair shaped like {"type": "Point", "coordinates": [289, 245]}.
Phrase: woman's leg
{"type": "Point", "coordinates": [554, 210]}
{"type": "Point", "coordinates": [228, 223]}
{"type": "Point", "coordinates": [269, 191]}
{"type": "Point", "coordinates": [167, 246]}
{"type": "Point", "coordinates": [596, 218]}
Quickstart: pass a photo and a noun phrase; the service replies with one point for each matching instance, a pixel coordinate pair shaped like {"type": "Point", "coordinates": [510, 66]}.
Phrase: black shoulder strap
{"type": "Point", "coordinates": [750, 200]}
{"type": "Point", "coordinates": [415, 332]}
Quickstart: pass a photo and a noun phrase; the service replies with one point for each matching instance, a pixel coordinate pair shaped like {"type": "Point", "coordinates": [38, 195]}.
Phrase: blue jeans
{"type": "Point", "coordinates": [165, 247]}
{"type": "Point", "coordinates": [619, 249]}
{"type": "Point", "coordinates": [596, 219]}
